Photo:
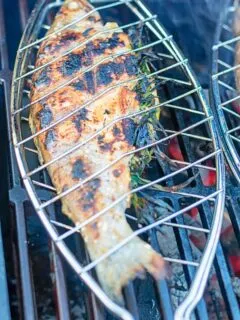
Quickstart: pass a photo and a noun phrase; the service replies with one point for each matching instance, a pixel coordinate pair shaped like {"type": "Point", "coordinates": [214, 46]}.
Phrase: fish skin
{"type": "Point", "coordinates": [110, 229]}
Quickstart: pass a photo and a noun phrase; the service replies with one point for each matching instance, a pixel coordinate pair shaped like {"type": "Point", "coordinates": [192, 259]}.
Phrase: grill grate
{"type": "Point", "coordinates": [177, 106]}
{"type": "Point", "coordinates": [224, 92]}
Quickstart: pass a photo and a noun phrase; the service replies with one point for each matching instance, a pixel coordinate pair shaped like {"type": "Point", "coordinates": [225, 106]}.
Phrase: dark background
{"type": "Point", "coordinates": [192, 24]}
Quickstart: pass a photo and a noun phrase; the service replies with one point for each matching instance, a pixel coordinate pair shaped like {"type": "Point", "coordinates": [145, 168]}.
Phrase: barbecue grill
{"type": "Point", "coordinates": [224, 92]}
{"type": "Point", "coordinates": [181, 96]}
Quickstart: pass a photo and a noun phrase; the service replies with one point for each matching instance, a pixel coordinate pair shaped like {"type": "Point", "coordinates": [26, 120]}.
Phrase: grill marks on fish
{"type": "Point", "coordinates": [87, 31]}
{"type": "Point", "coordinates": [113, 70]}
{"type": "Point", "coordinates": [100, 46]}
{"type": "Point", "coordinates": [92, 19]}
{"type": "Point", "coordinates": [89, 193]}
{"type": "Point", "coordinates": [71, 65]}
{"type": "Point", "coordinates": [42, 78]}
{"type": "Point", "coordinates": [50, 139]}
{"type": "Point", "coordinates": [123, 132]}
{"type": "Point", "coordinates": [89, 82]}
{"type": "Point", "coordinates": [84, 57]}
{"type": "Point", "coordinates": [79, 118]}
{"type": "Point", "coordinates": [45, 116]}
{"type": "Point", "coordinates": [118, 171]}
{"type": "Point", "coordinates": [92, 49]}
{"type": "Point", "coordinates": [68, 38]}
{"type": "Point", "coordinates": [102, 75]}
{"type": "Point", "coordinates": [79, 170]}
{"type": "Point", "coordinates": [79, 85]}
{"type": "Point", "coordinates": [116, 131]}
{"type": "Point", "coordinates": [107, 71]}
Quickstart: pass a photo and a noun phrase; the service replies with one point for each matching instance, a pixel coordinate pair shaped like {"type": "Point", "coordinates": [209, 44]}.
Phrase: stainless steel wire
{"type": "Point", "coordinates": [224, 91]}
{"type": "Point", "coordinates": [200, 129]}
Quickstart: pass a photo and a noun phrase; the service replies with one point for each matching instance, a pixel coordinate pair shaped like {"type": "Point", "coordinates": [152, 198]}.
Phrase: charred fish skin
{"type": "Point", "coordinates": [111, 228]}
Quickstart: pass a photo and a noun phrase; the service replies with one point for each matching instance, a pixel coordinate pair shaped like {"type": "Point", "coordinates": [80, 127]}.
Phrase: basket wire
{"type": "Point", "coordinates": [225, 95]}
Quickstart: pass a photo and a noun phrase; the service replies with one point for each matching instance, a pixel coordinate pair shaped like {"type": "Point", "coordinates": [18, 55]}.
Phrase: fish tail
{"type": "Point", "coordinates": [129, 262]}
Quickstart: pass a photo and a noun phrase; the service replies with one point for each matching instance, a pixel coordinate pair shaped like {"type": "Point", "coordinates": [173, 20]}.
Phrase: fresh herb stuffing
{"type": "Point", "coordinates": [148, 206]}
{"type": "Point", "coordinates": [146, 129]}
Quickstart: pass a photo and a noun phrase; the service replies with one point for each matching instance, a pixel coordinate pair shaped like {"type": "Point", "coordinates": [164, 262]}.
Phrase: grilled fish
{"type": "Point", "coordinates": [108, 230]}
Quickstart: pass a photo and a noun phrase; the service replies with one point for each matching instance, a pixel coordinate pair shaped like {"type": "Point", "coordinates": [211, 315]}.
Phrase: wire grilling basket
{"type": "Point", "coordinates": [186, 125]}
{"type": "Point", "coordinates": [224, 91]}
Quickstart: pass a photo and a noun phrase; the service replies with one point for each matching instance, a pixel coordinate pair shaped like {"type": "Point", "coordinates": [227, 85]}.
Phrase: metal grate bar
{"type": "Point", "coordinates": [235, 138]}
{"type": "Point", "coordinates": [230, 100]}
{"type": "Point", "coordinates": [170, 224]}
{"type": "Point", "coordinates": [226, 85]}
{"type": "Point", "coordinates": [173, 106]}
{"type": "Point", "coordinates": [44, 185]}
{"type": "Point", "coordinates": [219, 61]}
{"type": "Point", "coordinates": [231, 112]}
{"type": "Point", "coordinates": [223, 43]}
{"type": "Point", "coordinates": [233, 129]}
{"type": "Point", "coordinates": [226, 285]}
{"type": "Point", "coordinates": [226, 27]}
{"type": "Point", "coordinates": [60, 283]}
{"type": "Point", "coordinates": [162, 288]}
{"type": "Point", "coordinates": [228, 48]}
{"type": "Point", "coordinates": [31, 150]}
{"type": "Point", "coordinates": [28, 293]}
{"type": "Point", "coordinates": [218, 74]}
{"type": "Point", "coordinates": [194, 136]}
{"type": "Point", "coordinates": [198, 165]}
{"type": "Point", "coordinates": [4, 300]}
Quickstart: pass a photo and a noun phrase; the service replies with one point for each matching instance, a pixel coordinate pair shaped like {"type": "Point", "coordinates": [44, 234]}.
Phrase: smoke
{"type": "Point", "coordinates": [193, 24]}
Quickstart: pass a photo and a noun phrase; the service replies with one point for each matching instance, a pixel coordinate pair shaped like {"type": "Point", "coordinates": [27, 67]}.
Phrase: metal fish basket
{"type": "Point", "coordinates": [187, 123]}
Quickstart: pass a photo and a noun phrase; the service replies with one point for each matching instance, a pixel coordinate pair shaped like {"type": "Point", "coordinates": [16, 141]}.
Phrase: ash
{"type": "Point", "coordinates": [177, 281]}
{"type": "Point", "coordinates": [236, 286]}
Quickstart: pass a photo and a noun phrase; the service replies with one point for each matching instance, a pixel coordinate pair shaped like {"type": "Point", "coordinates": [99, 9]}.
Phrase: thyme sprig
{"type": "Point", "coordinates": [147, 131]}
